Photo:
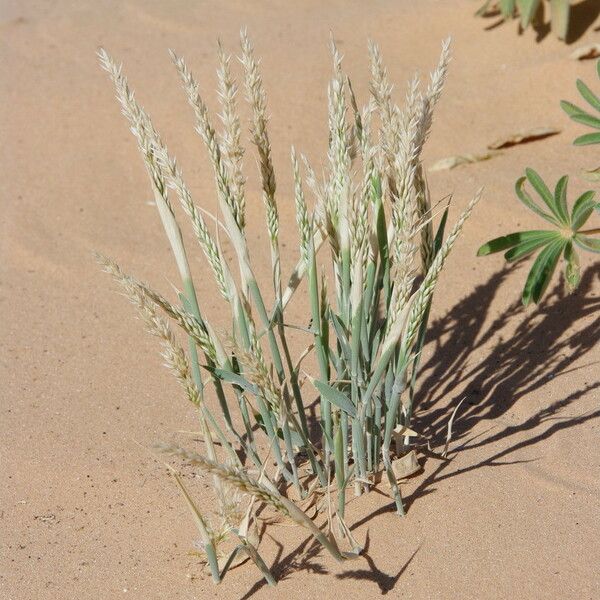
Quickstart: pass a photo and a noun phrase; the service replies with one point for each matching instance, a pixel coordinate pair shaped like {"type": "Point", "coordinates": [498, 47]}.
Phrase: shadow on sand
{"type": "Point", "coordinates": [543, 346]}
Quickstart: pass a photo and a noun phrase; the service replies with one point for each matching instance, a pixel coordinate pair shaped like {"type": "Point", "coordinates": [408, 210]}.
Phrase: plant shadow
{"type": "Point", "coordinates": [542, 346]}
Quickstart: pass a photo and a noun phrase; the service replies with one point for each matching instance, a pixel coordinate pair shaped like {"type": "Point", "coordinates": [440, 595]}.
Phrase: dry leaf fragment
{"type": "Point", "coordinates": [592, 175]}
{"type": "Point", "coordinates": [463, 159]}
{"type": "Point", "coordinates": [406, 465]}
{"type": "Point", "coordinates": [586, 52]}
{"type": "Point", "coordinates": [523, 137]}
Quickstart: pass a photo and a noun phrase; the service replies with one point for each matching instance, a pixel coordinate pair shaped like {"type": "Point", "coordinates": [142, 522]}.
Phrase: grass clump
{"type": "Point", "coordinates": [371, 213]}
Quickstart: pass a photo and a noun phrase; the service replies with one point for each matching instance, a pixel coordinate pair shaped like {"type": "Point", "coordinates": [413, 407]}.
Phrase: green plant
{"type": "Point", "coordinates": [553, 243]}
{"type": "Point", "coordinates": [581, 116]}
{"type": "Point", "coordinates": [368, 322]}
{"type": "Point", "coordinates": [530, 10]}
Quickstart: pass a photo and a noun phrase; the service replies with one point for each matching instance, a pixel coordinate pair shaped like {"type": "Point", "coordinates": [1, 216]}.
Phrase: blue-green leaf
{"type": "Point", "coordinates": [335, 396]}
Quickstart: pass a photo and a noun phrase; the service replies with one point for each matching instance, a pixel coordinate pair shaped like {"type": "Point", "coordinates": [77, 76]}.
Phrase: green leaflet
{"type": "Point", "coordinates": [513, 239]}
{"type": "Point", "coordinates": [587, 139]}
{"type": "Point", "coordinates": [526, 248]}
{"type": "Point", "coordinates": [588, 243]}
{"type": "Point", "coordinates": [541, 272]}
{"type": "Point", "coordinates": [582, 209]}
{"type": "Point", "coordinates": [526, 199]}
{"type": "Point", "coordinates": [546, 195]}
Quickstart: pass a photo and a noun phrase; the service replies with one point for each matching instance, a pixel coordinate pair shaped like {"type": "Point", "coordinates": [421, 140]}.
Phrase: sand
{"type": "Point", "coordinates": [86, 511]}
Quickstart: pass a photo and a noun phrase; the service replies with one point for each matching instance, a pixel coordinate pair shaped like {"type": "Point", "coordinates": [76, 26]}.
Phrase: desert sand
{"type": "Point", "coordinates": [86, 509]}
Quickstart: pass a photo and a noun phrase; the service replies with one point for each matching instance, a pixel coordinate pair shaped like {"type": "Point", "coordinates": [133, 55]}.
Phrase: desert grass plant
{"type": "Point", "coordinates": [531, 11]}
{"type": "Point", "coordinates": [372, 216]}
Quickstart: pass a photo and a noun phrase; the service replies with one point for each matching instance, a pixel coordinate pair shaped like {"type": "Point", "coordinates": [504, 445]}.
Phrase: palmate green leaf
{"type": "Point", "coordinates": [581, 116]}
{"type": "Point", "coordinates": [526, 248]}
{"type": "Point", "coordinates": [541, 271]}
{"type": "Point", "coordinates": [552, 243]}
{"type": "Point", "coordinates": [513, 239]}
{"type": "Point", "coordinates": [587, 243]}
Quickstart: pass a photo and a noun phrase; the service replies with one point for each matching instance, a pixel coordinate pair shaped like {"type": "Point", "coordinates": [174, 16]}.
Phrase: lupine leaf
{"type": "Point", "coordinates": [525, 248]}
{"type": "Point", "coordinates": [546, 195]}
{"type": "Point", "coordinates": [588, 120]}
{"type": "Point", "coordinates": [582, 209]}
{"type": "Point", "coordinates": [587, 139]}
{"type": "Point", "coordinates": [588, 95]}
{"type": "Point", "coordinates": [529, 203]}
{"type": "Point", "coordinates": [541, 272]}
{"type": "Point", "coordinates": [560, 198]}
{"type": "Point", "coordinates": [510, 240]}
{"type": "Point", "coordinates": [588, 243]}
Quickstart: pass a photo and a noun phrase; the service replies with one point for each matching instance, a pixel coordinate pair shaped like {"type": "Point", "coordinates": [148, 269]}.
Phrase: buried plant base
{"type": "Point", "coordinates": [373, 217]}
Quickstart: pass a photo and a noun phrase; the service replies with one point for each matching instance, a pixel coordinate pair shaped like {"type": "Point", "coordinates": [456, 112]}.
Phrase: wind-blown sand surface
{"type": "Point", "coordinates": [86, 510]}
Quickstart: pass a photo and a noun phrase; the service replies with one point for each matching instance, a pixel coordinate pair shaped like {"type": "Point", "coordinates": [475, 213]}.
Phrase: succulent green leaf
{"type": "Point", "coordinates": [587, 139]}
{"type": "Point", "coordinates": [587, 243]}
{"type": "Point", "coordinates": [513, 239]}
{"type": "Point", "coordinates": [588, 95]}
{"type": "Point", "coordinates": [526, 248]}
{"type": "Point", "coordinates": [572, 269]}
{"type": "Point", "coordinates": [541, 272]}
{"type": "Point", "coordinates": [529, 203]}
